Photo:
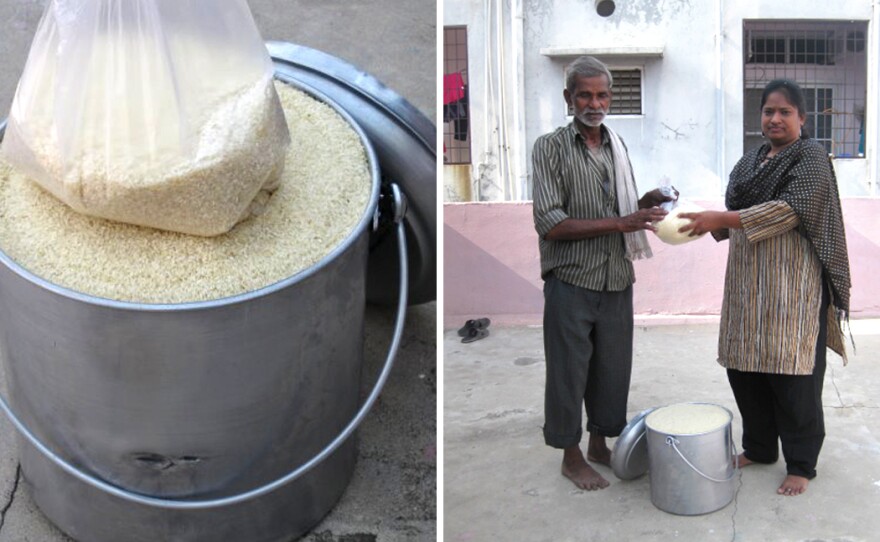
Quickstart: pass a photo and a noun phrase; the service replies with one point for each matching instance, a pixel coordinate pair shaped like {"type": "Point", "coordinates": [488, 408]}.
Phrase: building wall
{"type": "Point", "coordinates": [691, 130]}
{"type": "Point", "coordinates": [677, 132]}
{"type": "Point", "coordinates": [492, 267]}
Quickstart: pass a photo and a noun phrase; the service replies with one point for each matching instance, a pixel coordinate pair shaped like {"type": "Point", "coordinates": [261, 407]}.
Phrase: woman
{"type": "Point", "coordinates": [786, 287]}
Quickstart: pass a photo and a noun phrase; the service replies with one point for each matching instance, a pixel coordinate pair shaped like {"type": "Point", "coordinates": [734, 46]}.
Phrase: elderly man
{"type": "Point", "coordinates": [591, 226]}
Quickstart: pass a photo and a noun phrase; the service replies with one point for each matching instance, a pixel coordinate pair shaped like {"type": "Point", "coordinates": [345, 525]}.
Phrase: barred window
{"type": "Point", "coordinates": [456, 105]}
{"type": "Point", "coordinates": [627, 92]}
{"type": "Point", "coordinates": [766, 49]}
{"type": "Point", "coordinates": [828, 60]}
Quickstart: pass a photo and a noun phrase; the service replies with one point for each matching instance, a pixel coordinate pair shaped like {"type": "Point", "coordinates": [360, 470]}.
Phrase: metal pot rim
{"type": "Point", "coordinates": [715, 430]}
{"type": "Point", "coordinates": [405, 143]}
{"type": "Point", "coordinates": [367, 219]}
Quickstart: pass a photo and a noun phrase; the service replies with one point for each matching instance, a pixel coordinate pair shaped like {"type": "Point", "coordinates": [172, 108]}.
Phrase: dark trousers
{"type": "Point", "coordinates": [786, 408]}
{"type": "Point", "coordinates": [588, 348]}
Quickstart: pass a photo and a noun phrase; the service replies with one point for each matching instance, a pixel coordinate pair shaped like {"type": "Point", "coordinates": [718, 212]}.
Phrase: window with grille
{"type": "Point", "coordinates": [626, 92]}
{"type": "Point", "coordinates": [456, 106]}
{"type": "Point", "coordinates": [819, 124]}
{"type": "Point", "coordinates": [827, 59]}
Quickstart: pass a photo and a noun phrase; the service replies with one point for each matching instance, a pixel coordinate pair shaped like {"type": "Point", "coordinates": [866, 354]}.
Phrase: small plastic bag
{"type": "Point", "coordinates": [667, 229]}
{"type": "Point", "coordinates": [161, 113]}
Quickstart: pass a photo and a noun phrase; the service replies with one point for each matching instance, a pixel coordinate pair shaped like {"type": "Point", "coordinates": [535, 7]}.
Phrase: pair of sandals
{"type": "Point", "coordinates": [474, 330]}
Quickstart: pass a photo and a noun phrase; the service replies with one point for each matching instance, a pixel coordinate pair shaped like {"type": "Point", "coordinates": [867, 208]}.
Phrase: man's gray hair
{"type": "Point", "coordinates": [585, 66]}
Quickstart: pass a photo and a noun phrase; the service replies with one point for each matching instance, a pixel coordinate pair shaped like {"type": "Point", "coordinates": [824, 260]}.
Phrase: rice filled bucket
{"type": "Point", "coordinates": [690, 456]}
{"type": "Point", "coordinates": [221, 411]}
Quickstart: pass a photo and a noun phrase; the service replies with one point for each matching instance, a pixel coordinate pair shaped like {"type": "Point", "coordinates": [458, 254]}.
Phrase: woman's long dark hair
{"type": "Point", "coordinates": [793, 94]}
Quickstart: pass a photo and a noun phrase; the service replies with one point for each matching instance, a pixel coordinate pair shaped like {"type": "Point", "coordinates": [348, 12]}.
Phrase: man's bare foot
{"type": "Point", "coordinates": [597, 450]}
{"type": "Point", "coordinates": [793, 485]}
{"type": "Point", "coordinates": [742, 461]}
{"type": "Point", "coordinates": [576, 469]}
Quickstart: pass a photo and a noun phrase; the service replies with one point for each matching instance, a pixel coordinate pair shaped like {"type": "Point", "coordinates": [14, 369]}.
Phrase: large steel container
{"type": "Point", "coordinates": [691, 474]}
{"type": "Point", "coordinates": [221, 420]}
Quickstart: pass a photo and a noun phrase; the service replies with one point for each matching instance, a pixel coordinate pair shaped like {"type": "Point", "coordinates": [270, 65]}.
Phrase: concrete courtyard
{"type": "Point", "coordinates": [502, 483]}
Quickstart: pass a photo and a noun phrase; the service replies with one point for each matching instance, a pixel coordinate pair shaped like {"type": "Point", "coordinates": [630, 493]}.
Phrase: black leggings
{"type": "Point", "coordinates": [786, 408]}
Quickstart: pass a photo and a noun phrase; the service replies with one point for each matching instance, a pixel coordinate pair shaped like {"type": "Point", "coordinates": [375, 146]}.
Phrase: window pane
{"type": "Point", "coordinates": [752, 111]}
{"type": "Point", "coordinates": [456, 106]}
{"type": "Point", "coordinates": [767, 50]}
{"type": "Point", "coordinates": [753, 141]}
{"type": "Point", "coordinates": [627, 92]}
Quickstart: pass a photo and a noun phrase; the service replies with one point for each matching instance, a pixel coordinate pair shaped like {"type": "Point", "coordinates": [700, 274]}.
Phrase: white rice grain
{"type": "Point", "coordinates": [323, 194]}
{"type": "Point", "coordinates": [687, 419]}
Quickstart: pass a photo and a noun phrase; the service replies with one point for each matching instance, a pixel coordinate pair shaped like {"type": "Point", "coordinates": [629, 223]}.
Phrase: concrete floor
{"type": "Point", "coordinates": [502, 483]}
{"type": "Point", "coordinates": [392, 496]}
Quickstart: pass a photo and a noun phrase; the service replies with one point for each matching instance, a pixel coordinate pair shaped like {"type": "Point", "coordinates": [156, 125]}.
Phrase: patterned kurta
{"type": "Point", "coordinates": [772, 293]}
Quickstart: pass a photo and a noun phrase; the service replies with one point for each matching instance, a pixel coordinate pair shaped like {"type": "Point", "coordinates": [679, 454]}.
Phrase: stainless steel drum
{"type": "Point", "coordinates": [226, 420]}
{"type": "Point", "coordinates": [692, 474]}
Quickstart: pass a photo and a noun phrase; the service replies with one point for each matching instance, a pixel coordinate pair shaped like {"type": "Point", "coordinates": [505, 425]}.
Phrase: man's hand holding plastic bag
{"type": "Point", "coordinates": [672, 229]}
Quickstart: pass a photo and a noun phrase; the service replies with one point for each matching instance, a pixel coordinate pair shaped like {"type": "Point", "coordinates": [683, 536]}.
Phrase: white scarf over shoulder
{"type": "Point", "coordinates": [637, 246]}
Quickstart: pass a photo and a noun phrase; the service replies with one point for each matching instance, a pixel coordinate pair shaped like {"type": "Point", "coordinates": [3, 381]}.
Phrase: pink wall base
{"type": "Point", "coordinates": [492, 268]}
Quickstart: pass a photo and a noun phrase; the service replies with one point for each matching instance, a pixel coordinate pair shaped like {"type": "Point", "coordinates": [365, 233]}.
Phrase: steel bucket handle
{"type": "Point", "coordinates": [399, 212]}
{"type": "Point", "coordinates": [672, 441]}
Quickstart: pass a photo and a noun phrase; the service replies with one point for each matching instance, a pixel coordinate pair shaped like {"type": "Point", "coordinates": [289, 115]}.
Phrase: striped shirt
{"type": "Point", "coordinates": [570, 181]}
{"type": "Point", "coordinates": [772, 295]}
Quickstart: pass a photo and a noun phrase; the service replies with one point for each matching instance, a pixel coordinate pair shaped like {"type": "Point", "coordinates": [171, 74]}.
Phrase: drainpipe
{"type": "Point", "coordinates": [872, 116]}
{"type": "Point", "coordinates": [487, 99]}
{"type": "Point", "coordinates": [518, 144]}
{"type": "Point", "coordinates": [721, 147]}
{"type": "Point", "coordinates": [501, 113]}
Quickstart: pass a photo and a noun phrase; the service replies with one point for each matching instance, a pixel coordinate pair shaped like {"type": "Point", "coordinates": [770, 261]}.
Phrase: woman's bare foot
{"type": "Point", "coordinates": [793, 485]}
{"type": "Point", "coordinates": [741, 461]}
{"type": "Point", "coordinates": [597, 450]}
{"type": "Point", "coordinates": [576, 469]}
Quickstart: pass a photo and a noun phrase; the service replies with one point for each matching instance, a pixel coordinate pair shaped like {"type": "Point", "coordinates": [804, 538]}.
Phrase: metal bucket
{"type": "Point", "coordinates": [222, 420]}
{"type": "Point", "coordinates": [691, 474]}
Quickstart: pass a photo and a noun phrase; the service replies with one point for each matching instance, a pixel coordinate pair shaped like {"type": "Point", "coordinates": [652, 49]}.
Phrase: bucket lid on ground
{"type": "Point", "coordinates": [629, 459]}
{"type": "Point", "coordinates": [405, 144]}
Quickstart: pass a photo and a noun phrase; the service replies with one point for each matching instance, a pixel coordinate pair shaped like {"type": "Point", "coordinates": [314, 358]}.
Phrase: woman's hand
{"type": "Point", "coordinates": [709, 221]}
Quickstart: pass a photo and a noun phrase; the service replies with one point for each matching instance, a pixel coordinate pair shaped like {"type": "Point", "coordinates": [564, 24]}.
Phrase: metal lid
{"type": "Point", "coordinates": [629, 459]}
{"type": "Point", "coordinates": [404, 141]}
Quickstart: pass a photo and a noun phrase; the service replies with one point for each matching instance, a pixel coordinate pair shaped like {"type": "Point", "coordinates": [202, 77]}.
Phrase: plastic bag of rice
{"type": "Point", "coordinates": [158, 113]}
{"type": "Point", "coordinates": [667, 229]}
{"type": "Point", "coordinates": [324, 193]}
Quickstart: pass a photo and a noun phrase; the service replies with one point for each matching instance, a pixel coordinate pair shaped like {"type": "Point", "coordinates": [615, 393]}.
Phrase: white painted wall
{"type": "Point", "coordinates": [495, 97]}
{"type": "Point", "coordinates": [691, 130]}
